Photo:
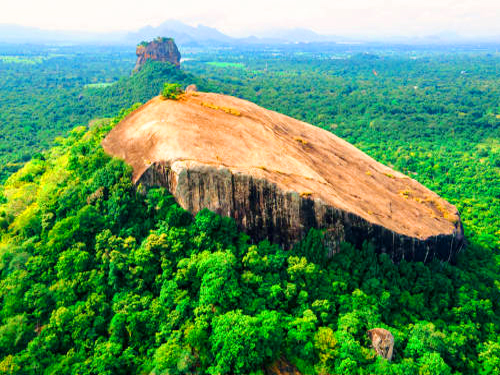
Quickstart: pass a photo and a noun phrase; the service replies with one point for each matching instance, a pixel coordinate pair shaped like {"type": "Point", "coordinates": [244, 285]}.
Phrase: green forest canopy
{"type": "Point", "coordinates": [99, 277]}
{"type": "Point", "coordinates": [42, 101]}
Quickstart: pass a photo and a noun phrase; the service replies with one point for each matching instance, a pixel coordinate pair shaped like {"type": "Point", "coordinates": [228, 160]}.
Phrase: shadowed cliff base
{"type": "Point", "coordinates": [278, 177]}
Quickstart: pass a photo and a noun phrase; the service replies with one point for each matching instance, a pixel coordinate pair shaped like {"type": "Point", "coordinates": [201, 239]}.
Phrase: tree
{"type": "Point", "coordinates": [242, 343]}
{"type": "Point", "coordinates": [171, 91]}
{"type": "Point", "coordinates": [489, 358]}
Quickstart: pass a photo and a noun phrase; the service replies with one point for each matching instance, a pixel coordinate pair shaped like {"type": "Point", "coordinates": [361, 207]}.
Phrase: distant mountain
{"type": "Point", "coordinates": [296, 35]}
{"type": "Point", "coordinates": [450, 37]}
{"type": "Point", "coordinates": [436, 39]}
{"type": "Point", "coordinates": [182, 33]}
{"type": "Point", "coordinates": [189, 35]}
{"type": "Point", "coordinates": [10, 33]}
{"type": "Point", "coordinates": [186, 35]}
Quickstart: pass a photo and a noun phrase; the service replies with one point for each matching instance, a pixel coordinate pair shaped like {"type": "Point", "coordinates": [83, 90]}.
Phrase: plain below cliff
{"type": "Point", "coordinates": [278, 176]}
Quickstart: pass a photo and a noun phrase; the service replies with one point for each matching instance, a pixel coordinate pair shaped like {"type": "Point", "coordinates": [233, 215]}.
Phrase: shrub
{"type": "Point", "coordinates": [171, 91]}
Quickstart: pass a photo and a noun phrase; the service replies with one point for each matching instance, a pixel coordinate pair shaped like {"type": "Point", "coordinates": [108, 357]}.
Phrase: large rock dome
{"type": "Point", "coordinates": [278, 177]}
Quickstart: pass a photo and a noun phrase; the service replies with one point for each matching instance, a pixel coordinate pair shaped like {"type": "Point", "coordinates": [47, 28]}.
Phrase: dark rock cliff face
{"type": "Point", "coordinates": [264, 211]}
{"type": "Point", "coordinates": [160, 49]}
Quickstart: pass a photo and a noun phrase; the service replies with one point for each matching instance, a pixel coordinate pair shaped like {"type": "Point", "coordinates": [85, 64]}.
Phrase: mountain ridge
{"type": "Point", "coordinates": [202, 35]}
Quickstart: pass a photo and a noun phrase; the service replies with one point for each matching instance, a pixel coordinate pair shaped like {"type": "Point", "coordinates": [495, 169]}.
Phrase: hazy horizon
{"type": "Point", "coordinates": [379, 18]}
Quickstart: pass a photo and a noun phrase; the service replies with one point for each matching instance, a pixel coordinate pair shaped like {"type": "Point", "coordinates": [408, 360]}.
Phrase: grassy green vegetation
{"type": "Point", "coordinates": [98, 85]}
{"type": "Point", "coordinates": [221, 64]}
{"type": "Point", "coordinates": [22, 59]}
{"type": "Point", "coordinates": [159, 39]}
{"type": "Point", "coordinates": [101, 277]}
{"type": "Point", "coordinates": [171, 91]}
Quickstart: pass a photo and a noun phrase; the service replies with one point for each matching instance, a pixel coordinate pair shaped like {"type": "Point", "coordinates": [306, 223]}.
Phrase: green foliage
{"type": "Point", "coordinates": [159, 39]}
{"type": "Point", "coordinates": [98, 276]}
{"type": "Point", "coordinates": [241, 343]}
{"type": "Point", "coordinates": [171, 91]}
{"type": "Point", "coordinates": [70, 87]}
{"type": "Point", "coordinates": [489, 357]}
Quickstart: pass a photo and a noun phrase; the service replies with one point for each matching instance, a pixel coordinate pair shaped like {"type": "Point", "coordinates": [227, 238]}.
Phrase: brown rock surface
{"type": "Point", "coordinates": [191, 88]}
{"type": "Point", "coordinates": [282, 367]}
{"type": "Point", "coordinates": [382, 341]}
{"type": "Point", "coordinates": [278, 177]}
{"type": "Point", "coordinates": [160, 49]}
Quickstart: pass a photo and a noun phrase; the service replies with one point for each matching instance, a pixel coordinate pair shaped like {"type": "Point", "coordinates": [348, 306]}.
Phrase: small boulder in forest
{"type": "Point", "coordinates": [382, 341]}
{"type": "Point", "coordinates": [282, 367]}
{"type": "Point", "coordinates": [191, 88]}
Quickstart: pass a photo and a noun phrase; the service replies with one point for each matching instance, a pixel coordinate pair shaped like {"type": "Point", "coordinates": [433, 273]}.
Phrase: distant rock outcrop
{"type": "Point", "coordinates": [160, 49]}
{"type": "Point", "coordinates": [278, 177]}
{"type": "Point", "coordinates": [382, 341]}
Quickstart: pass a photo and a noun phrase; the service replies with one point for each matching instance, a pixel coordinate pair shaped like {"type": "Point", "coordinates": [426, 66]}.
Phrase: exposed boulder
{"type": "Point", "coordinates": [382, 341]}
{"type": "Point", "coordinates": [160, 49]}
{"type": "Point", "coordinates": [278, 177]}
{"type": "Point", "coordinates": [191, 88]}
{"type": "Point", "coordinates": [282, 367]}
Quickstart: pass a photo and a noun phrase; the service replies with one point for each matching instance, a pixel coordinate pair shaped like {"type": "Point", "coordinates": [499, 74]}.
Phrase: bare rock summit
{"type": "Point", "coordinates": [278, 177]}
{"type": "Point", "coordinates": [160, 49]}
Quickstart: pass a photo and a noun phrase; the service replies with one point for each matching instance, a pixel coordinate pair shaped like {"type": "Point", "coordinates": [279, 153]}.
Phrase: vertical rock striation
{"type": "Point", "coordinates": [264, 211]}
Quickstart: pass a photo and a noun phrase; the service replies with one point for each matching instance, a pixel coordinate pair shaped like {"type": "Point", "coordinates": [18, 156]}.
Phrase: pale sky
{"type": "Point", "coordinates": [242, 18]}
